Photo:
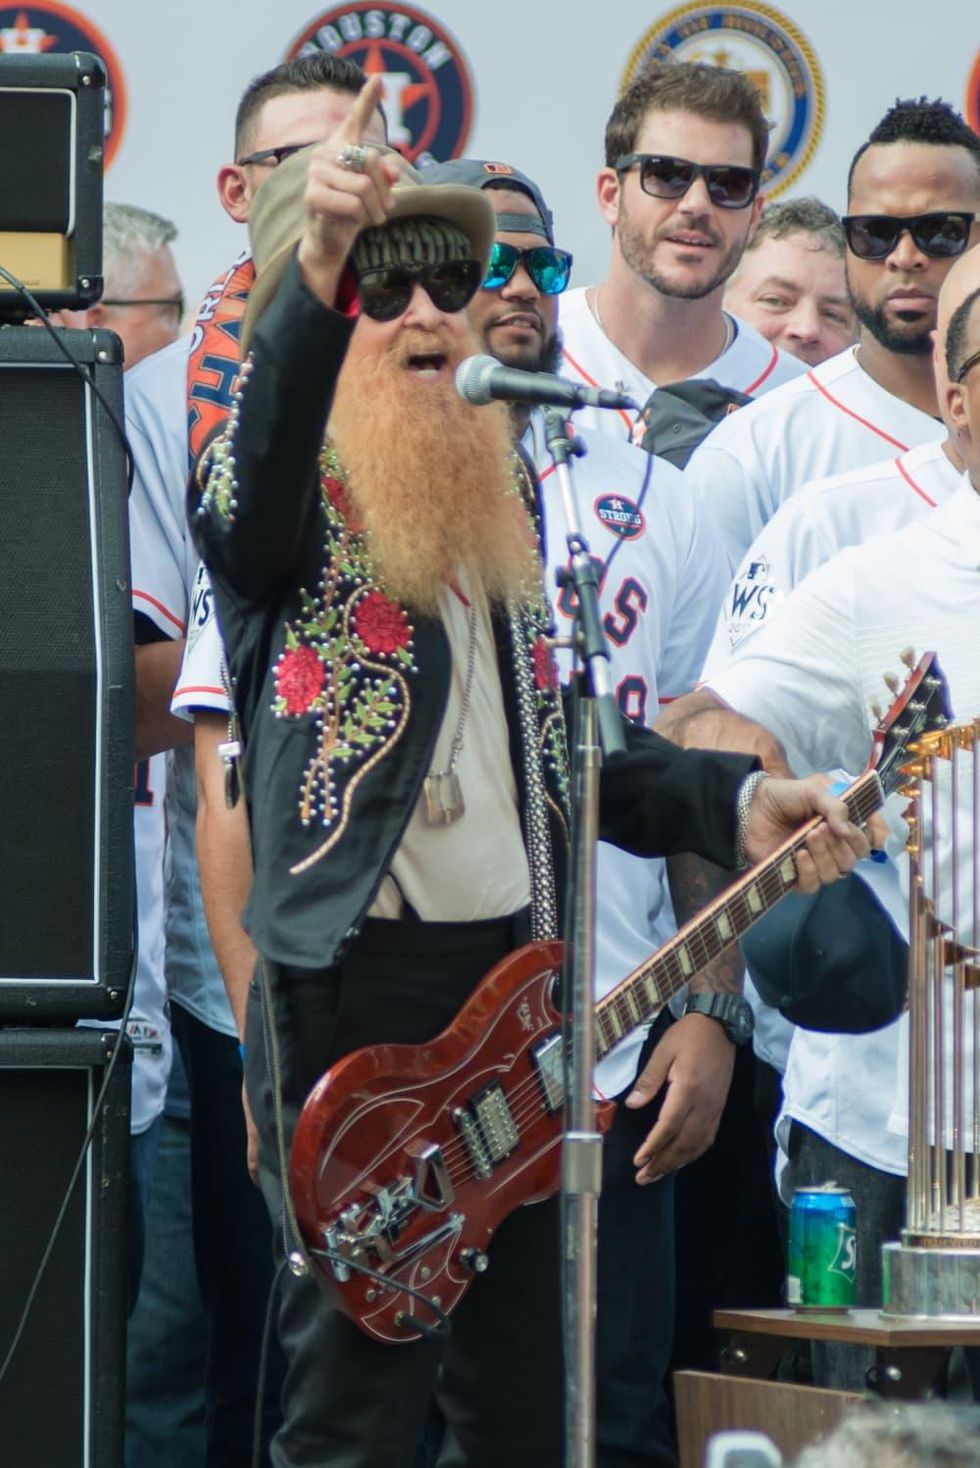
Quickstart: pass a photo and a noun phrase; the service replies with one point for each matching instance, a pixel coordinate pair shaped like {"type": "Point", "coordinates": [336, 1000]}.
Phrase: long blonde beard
{"type": "Point", "coordinates": [431, 478]}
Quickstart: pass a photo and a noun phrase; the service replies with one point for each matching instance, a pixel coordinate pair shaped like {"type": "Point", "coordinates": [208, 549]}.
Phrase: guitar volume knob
{"type": "Point", "coordinates": [475, 1260]}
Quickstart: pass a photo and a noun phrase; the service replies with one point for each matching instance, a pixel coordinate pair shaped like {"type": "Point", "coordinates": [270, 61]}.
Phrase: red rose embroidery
{"type": "Point", "coordinates": [381, 624]}
{"type": "Point", "coordinates": [299, 679]}
{"type": "Point", "coordinates": [336, 492]}
{"type": "Point", "coordinates": [545, 672]}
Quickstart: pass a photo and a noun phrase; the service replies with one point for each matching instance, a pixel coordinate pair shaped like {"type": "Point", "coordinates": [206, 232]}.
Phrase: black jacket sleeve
{"type": "Point", "coordinates": [657, 799]}
{"type": "Point", "coordinates": [254, 534]}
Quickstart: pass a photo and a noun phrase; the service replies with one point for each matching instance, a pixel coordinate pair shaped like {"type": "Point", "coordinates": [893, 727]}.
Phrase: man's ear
{"type": "Point", "coordinates": [955, 414]}
{"type": "Point", "coordinates": [607, 190]}
{"type": "Point", "coordinates": [234, 193]}
{"type": "Point", "coordinates": [758, 204]}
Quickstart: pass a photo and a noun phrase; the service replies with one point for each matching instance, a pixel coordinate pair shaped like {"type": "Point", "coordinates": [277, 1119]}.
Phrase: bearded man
{"type": "Point", "coordinates": [405, 761]}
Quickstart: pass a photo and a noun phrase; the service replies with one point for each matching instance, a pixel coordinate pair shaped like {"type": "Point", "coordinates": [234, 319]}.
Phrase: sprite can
{"type": "Point", "coordinates": [822, 1249]}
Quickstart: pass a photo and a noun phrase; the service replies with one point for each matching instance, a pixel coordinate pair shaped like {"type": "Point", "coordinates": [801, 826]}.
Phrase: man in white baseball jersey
{"type": "Point", "coordinates": [790, 282]}
{"type": "Point", "coordinates": [685, 147]}
{"type": "Point", "coordinates": [913, 195]}
{"type": "Point", "coordinates": [281, 111]}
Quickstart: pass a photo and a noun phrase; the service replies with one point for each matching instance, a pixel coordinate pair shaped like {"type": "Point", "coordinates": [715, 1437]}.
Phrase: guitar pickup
{"type": "Point", "coordinates": [488, 1128]}
{"type": "Point", "coordinates": [547, 1059]}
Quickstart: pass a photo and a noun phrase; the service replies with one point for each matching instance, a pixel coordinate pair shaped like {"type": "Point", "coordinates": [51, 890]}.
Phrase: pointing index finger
{"type": "Point", "coordinates": [355, 124]}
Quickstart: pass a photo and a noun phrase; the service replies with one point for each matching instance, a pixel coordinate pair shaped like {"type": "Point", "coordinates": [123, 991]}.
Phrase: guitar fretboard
{"type": "Point", "coordinates": [694, 946]}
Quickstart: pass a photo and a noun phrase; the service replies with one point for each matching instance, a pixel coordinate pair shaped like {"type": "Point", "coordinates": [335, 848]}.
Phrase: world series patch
{"type": "Point", "coordinates": [772, 52]}
{"type": "Point", "coordinates": [30, 30]}
{"type": "Point", "coordinates": [428, 91]}
{"type": "Point", "coordinates": [620, 515]}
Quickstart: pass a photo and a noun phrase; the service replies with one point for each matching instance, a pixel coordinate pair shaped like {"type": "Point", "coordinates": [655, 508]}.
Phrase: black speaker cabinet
{"type": "Point", "coordinates": [61, 1400]}
{"type": "Point", "coordinates": [51, 176]}
{"type": "Point", "coordinates": [66, 682]}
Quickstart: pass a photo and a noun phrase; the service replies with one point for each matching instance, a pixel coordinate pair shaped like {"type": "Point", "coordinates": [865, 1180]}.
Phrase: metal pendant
{"type": "Point", "coordinates": [443, 798]}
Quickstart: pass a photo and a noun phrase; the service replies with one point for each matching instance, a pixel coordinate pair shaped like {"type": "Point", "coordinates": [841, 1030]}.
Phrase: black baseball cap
{"type": "Point", "coordinates": [481, 173]}
{"type": "Point", "coordinates": [832, 961]}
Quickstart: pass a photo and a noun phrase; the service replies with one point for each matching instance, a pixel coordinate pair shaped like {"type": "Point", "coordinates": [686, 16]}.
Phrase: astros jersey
{"type": "Point", "coordinates": [832, 420]}
{"type": "Point", "coordinates": [164, 566]}
{"type": "Point", "coordinates": [664, 575]}
{"type": "Point", "coordinates": [750, 364]}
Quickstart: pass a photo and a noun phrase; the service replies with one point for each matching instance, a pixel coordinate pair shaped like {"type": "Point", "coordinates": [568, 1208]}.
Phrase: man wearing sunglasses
{"type": "Point", "coordinates": [380, 598]}
{"type": "Point", "coordinates": [913, 202]}
{"type": "Point", "coordinates": [284, 109]}
{"type": "Point", "coordinates": [685, 148]}
{"type": "Point", "coordinates": [663, 569]}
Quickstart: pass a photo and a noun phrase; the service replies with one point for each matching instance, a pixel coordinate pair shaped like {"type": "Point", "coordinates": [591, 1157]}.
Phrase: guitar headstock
{"type": "Point", "coordinates": [920, 706]}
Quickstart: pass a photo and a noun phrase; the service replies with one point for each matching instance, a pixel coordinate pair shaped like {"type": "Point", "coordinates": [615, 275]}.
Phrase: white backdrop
{"type": "Point", "coordinates": [545, 74]}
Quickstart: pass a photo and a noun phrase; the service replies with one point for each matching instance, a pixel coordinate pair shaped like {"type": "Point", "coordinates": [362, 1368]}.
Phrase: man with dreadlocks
{"type": "Point", "coordinates": [405, 767]}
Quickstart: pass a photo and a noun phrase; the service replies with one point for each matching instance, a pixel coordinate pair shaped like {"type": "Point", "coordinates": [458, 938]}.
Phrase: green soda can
{"type": "Point", "coordinates": [822, 1249]}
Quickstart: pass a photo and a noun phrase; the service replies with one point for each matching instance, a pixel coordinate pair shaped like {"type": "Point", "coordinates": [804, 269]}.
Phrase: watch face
{"type": "Point", "coordinates": [741, 1024]}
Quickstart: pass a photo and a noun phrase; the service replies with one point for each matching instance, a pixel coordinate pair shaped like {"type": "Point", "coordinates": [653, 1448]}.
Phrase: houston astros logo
{"type": "Point", "coordinates": [773, 53]}
{"type": "Point", "coordinates": [428, 96]}
{"type": "Point", "coordinates": [620, 515]}
{"type": "Point", "coordinates": [972, 108]}
{"type": "Point", "coordinates": [30, 30]}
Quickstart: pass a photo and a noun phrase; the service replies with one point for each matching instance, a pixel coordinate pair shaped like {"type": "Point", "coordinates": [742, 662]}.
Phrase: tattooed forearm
{"type": "Point", "coordinates": [694, 883]}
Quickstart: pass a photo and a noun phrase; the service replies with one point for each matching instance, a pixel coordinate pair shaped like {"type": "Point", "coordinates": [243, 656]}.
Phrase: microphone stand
{"type": "Point", "coordinates": [598, 732]}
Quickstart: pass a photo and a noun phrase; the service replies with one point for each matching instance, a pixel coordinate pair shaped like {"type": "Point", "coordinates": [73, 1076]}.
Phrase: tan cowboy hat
{"type": "Point", "coordinates": [276, 222]}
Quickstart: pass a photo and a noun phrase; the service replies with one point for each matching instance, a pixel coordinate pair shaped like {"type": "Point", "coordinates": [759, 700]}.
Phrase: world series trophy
{"type": "Point", "coordinates": [934, 1271]}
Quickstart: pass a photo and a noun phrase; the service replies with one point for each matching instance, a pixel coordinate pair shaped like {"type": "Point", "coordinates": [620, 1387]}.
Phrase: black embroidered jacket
{"type": "Point", "coordinates": [341, 693]}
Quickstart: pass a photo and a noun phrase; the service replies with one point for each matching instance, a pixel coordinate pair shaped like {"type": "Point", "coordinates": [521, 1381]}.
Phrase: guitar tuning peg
{"type": "Point", "coordinates": [892, 682]}
{"type": "Point", "coordinates": [907, 656]}
{"type": "Point", "coordinates": [877, 712]}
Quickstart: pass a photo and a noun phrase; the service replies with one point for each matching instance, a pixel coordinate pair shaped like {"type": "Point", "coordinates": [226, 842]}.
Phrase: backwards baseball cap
{"type": "Point", "coordinates": [478, 173]}
{"type": "Point", "coordinates": [276, 222]}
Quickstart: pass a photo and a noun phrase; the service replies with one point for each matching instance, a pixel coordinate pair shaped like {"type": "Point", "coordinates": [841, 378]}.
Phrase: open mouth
{"type": "Point", "coordinates": [426, 364]}
{"type": "Point", "coordinates": [690, 241]}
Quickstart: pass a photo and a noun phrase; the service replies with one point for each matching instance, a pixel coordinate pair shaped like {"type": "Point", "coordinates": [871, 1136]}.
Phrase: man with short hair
{"type": "Point", "coordinates": [142, 299]}
{"type": "Point", "coordinates": [790, 282]}
{"type": "Point", "coordinates": [170, 397]}
{"type": "Point", "coordinates": [405, 764]}
{"type": "Point", "coordinates": [685, 149]}
{"type": "Point", "coordinates": [914, 198]}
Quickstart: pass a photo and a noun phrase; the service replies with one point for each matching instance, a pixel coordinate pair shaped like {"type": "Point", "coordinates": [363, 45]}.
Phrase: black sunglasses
{"type": "Point", "coordinates": [940, 235]}
{"type": "Point", "coordinates": [386, 292]}
{"type": "Point", "coordinates": [729, 185]}
{"type": "Point", "coordinates": [970, 362]}
{"type": "Point", "coordinates": [273, 156]}
{"type": "Point", "coordinates": [548, 267]}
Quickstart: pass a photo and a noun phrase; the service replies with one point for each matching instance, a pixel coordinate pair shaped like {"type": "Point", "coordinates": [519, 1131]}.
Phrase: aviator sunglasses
{"type": "Point", "coordinates": [940, 235]}
{"type": "Point", "coordinates": [385, 293]}
{"type": "Point", "coordinates": [548, 267]}
{"type": "Point", "coordinates": [729, 185]}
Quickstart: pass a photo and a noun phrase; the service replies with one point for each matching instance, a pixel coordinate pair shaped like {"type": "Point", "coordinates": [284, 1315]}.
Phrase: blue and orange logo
{"type": "Point", "coordinates": [772, 52]}
{"type": "Point", "coordinates": [428, 93]}
{"type": "Point", "coordinates": [620, 515]}
{"type": "Point", "coordinates": [31, 30]}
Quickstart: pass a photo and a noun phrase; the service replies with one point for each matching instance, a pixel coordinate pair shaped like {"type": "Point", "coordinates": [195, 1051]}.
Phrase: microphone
{"type": "Point", "coordinates": [482, 380]}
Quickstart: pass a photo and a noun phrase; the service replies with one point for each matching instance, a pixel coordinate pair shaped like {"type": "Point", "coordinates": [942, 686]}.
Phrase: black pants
{"type": "Point", "coordinates": [351, 1402]}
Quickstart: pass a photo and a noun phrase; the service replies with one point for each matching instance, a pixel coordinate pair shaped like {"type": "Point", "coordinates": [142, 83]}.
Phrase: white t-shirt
{"type": "Point", "coordinates": [666, 575]}
{"type": "Point", "coordinates": [806, 531]}
{"type": "Point", "coordinates": [164, 567]}
{"type": "Point", "coordinates": [811, 674]}
{"type": "Point", "coordinates": [835, 418]}
{"type": "Point", "coordinates": [750, 364]}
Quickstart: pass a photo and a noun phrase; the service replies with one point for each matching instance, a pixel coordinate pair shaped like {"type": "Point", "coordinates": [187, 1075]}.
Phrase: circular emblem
{"type": "Point", "coordinates": [972, 108]}
{"type": "Point", "coordinates": [771, 51]}
{"type": "Point", "coordinates": [620, 515]}
{"type": "Point", "coordinates": [428, 94]}
{"type": "Point", "coordinates": [27, 30]}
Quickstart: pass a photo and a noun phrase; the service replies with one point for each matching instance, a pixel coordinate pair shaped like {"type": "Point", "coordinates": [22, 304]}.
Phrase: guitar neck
{"type": "Point", "coordinates": [694, 946]}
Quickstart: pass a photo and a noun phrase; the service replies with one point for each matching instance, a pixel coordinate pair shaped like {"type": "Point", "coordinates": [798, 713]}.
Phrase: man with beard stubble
{"type": "Point", "coordinates": [685, 145]}
{"type": "Point", "coordinates": [383, 889]}
{"type": "Point", "coordinates": [913, 197]}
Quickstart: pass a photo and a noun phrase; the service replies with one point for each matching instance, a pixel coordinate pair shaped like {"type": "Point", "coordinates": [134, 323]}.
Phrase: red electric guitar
{"type": "Point", "coordinates": [407, 1157]}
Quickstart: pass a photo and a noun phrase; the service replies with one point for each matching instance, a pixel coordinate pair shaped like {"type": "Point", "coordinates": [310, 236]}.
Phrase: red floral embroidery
{"type": "Point", "coordinates": [336, 492]}
{"type": "Point", "coordinates": [545, 672]}
{"type": "Point", "coordinates": [299, 679]}
{"type": "Point", "coordinates": [381, 624]}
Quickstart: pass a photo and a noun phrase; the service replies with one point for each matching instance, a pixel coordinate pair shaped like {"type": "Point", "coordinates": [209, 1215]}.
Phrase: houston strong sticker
{"type": "Point", "coordinates": [428, 93]}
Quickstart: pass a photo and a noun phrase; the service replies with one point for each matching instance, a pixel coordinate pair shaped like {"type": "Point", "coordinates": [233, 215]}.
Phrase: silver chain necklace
{"type": "Point", "coordinates": [443, 793]}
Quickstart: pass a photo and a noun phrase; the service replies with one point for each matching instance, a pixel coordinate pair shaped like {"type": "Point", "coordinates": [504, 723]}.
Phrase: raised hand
{"type": "Point", "coordinates": [348, 188]}
{"type": "Point", "coordinates": [780, 807]}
